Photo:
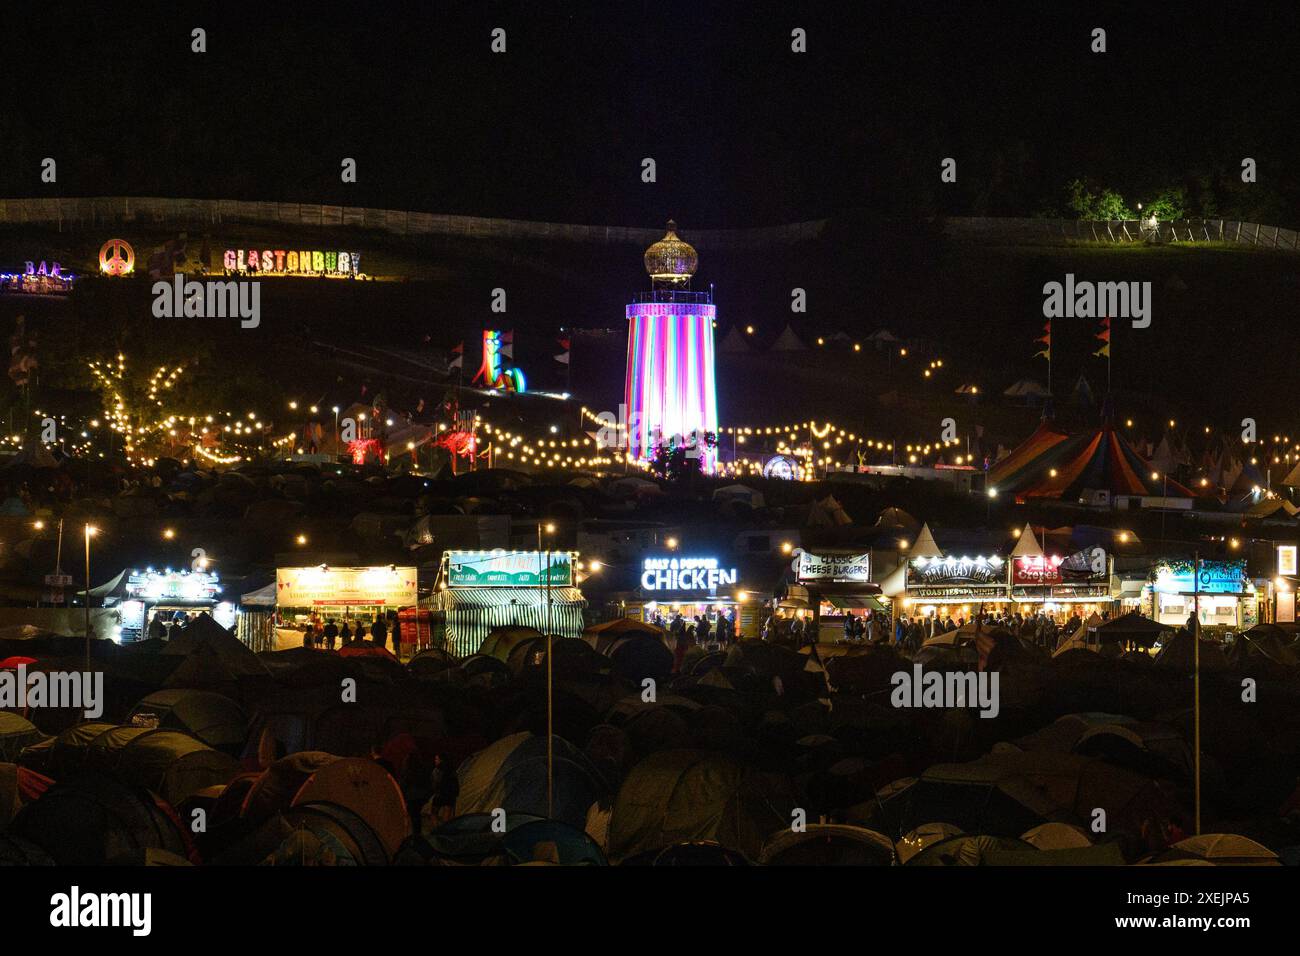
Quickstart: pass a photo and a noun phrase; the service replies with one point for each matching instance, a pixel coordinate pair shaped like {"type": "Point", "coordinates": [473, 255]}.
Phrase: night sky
{"type": "Point", "coordinates": [744, 131]}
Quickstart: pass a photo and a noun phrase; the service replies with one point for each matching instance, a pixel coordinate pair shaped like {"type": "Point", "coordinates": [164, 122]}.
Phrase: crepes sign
{"type": "Point", "coordinates": [834, 568]}
{"type": "Point", "coordinates": [1082, 567]}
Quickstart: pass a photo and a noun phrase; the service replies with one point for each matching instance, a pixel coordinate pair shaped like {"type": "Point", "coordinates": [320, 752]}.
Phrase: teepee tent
{"type": "Point", "coordinates": [1027, 546]}
{"type": "Point", "coordinates": [925, 546]}
{"type": "Point", "coordinates": [787, 341]}
{"type": "Point", "coordinates": [734, 341]}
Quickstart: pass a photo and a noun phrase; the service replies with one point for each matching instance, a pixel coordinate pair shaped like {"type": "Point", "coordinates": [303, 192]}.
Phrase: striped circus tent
{"type": "Point", "coordinates": [1045, 437]}
{"type": "Point", "coordinates": [1052, 465]}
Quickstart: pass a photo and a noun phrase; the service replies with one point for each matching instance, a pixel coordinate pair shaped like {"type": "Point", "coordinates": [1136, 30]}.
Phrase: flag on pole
{"type": "Point", "coordinates": [459, 360]}
{"type": "Point", "coordinates": [1046, 339]}
{"type": "Point", "coordinates": [1104, 336]}
{"type": "Point", "coordinates": [564, 343]}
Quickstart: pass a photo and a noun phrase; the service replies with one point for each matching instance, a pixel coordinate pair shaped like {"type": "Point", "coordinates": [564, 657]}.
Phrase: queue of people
{"type": "Point", "coordinates": [332, 632]}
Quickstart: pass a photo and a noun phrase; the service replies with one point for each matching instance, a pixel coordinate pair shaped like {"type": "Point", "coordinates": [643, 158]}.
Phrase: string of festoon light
{"type": "Point", "coordinates": [138, 426]}
{"type": "Point", "coordinates": [546, 452]}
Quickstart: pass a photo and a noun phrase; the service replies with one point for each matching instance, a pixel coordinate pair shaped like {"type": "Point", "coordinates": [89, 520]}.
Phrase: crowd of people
{"type": "Point", "coordinates": [685, 632]}
{"type": "Point", "coordinates": [342, 631]}
{"type": "Point", "coordinates": [909, 632]}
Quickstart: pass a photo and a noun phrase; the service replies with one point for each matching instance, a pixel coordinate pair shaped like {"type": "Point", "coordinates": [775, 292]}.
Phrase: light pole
{"type": "Point", "coordinates": [90, 529]}
{"type": "Point", "coordinates": [336, 431]}
{"type": "Point", "coordinates": [1196, 685]}
{"type": "Point", "coordinates": [550, 710]}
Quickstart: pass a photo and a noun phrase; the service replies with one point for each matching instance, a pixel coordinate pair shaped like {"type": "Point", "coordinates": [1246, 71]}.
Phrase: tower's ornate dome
{"type": "Point", "coordinates": [670, 259]}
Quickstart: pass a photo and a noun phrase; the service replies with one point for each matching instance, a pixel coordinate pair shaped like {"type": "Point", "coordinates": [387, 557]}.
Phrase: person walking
{"type": "Point", "coordinates": [702, 629]}
{"type": "Point", "coordinates": [379, 632]}
{"type": "Point", "coordinates": [331, 632]}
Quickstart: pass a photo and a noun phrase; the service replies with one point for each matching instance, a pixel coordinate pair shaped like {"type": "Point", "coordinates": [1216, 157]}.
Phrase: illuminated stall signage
{"type": "Point", "coordinates": [1216, 577]}
{"type": "Point", "coordinates": [156, 586]}
{"type": "Point", "coordinates": [1286, 560]}
{"type": "Point", "coordinates": [1081, 567]}
{"type": "Point", "coordinates": [293, 262]}
{"type": "Point", "coordinates": [508, 569]}
{"type": "Point", "coordinates": [951, 571]}
{"type": "Point", "coordinates": [834, 568]}
{"type": "Point", "coordinates": [38, 279]}
{"type": "Point", "coordinates": [326, 586]}
{"type": "Point", "coordinates": [685, 574]}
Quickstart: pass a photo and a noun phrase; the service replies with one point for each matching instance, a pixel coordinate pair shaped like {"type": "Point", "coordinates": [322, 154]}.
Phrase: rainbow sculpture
{"type": "Point", "coordinates": [492, 373]}
{"type": "Point", "coordinates": [671, 390]}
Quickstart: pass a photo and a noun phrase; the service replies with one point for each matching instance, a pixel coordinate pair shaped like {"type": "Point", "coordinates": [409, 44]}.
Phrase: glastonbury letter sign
{"type": "Point", "coordinates": [292, 262]}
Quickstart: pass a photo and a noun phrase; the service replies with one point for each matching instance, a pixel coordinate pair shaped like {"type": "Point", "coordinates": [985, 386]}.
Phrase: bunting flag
{"type": "Point", "coordinates": [1046, 339]}
{"type": "Point", "coordinates": [22, 352]}
{"type": "Point", "coordinates": [508, 344]}
{"type": "Point", "coordinates": [1104, 336]}
{"type": "Point", "coordinates": [459, 360]}
{"type": "Point", "coordinates": [564, 343]}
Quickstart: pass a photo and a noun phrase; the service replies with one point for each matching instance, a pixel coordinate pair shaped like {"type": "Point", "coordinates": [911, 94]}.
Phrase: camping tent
{"type": "Point", "coordinates": [213, 718]}
{"type": "Point", "coordinates": [690, 795]}
{"type": "Point", "coordinates": [1127, 628]}
{"type": "Point", "coordinates": [511, 774]}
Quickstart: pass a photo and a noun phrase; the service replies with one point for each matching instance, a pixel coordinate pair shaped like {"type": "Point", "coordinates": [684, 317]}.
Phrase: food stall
{"type": "Point", "coordinates": [955, 586]}
{"type": "Point", "coordinates": [697, 587]}
{"type": "Point", "coordinates": [477, 591]}
{"type": "Point", "coordinates": [352, 596]}
{"type": "Point", "coordinates": [838, 587]}
{"type": "Point", "coordinates": [141, 596]}
{"type": "Point", "coordinates": [1222, 595]}
{"type": "Point", "coordinates": [1053, 584]}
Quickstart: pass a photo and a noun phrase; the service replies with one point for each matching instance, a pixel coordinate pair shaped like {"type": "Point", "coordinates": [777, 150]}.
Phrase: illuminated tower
{"type": "Point", "coordinates": [670, 392]}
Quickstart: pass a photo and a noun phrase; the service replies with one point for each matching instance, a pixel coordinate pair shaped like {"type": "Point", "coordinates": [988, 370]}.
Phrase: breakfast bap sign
{"type": "Point", "coordinates": [293, 261]}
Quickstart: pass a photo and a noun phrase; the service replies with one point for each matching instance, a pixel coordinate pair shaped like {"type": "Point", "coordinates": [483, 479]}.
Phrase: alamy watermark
{"type": "Point", "coordinates": [1098, 300]}
{"type": "Point", "coordinates": [921, 688]}
{"type": "Point", "coordinates": [98, 910]}
{"type": "Point", "coordinates": [70, 690]}
{"type": "Point", "coordinates": [228, 299]}
{"type": "Point", "coordinates": [616, 428]}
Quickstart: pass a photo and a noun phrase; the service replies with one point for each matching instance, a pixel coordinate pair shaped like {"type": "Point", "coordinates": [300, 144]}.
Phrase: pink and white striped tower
{"type": "Point", "coordinates": [671, 391]}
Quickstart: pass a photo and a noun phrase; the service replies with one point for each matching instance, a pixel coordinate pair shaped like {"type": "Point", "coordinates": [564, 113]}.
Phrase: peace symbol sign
{"type": "Point", "coordinates": [122, 260]}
